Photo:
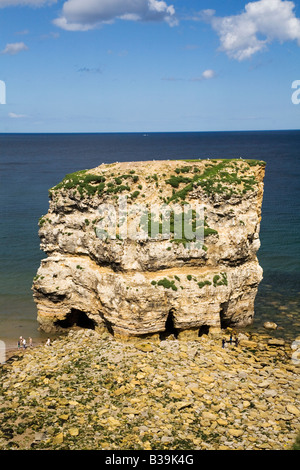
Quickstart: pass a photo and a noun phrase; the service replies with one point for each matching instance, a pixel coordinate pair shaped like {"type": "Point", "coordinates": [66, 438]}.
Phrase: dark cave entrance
{"type": "Point", "coordinates": [169, 326]}
{"type": "Point", "coordinates": [203, 330]}
{"type": "Point", "coordinates": [225, 321]}
{"type": "Point", "coordinates": [76, 318]}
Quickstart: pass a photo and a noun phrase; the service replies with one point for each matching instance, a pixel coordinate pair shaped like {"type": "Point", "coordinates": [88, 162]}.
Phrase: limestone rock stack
{"type": "Point", "coordinates": [109, 275]}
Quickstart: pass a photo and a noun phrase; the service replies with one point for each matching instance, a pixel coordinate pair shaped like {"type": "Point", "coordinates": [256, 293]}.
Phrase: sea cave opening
{"type": "Point", "coordinates": [203, 330]}
{"type": "Point", "coordinates": [76, 318]}
{"type": "Point", "coordinates": [224, 320]}
{"type": "Point", "coordinates": [169, 326]}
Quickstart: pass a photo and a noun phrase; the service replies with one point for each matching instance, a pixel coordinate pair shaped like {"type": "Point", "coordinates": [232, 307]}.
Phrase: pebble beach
{"type": "Point", "coordinates": [91, 392]}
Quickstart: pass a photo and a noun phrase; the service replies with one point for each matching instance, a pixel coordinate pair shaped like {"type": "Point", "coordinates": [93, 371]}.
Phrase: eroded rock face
{"type": "Point", "coordinates": [140, 286]}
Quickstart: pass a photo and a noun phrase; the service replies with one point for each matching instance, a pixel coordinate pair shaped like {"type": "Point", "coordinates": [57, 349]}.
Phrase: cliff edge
{"type": "Point", "coordinates": [117, 261]}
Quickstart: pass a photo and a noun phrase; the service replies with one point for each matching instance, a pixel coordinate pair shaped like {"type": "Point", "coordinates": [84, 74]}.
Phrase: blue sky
{"type": "Point", "coordinates": [148, 65]}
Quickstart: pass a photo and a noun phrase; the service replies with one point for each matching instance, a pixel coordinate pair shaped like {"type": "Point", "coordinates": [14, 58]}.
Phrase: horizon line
{"type": "Point", "coordinates": [149, 132]}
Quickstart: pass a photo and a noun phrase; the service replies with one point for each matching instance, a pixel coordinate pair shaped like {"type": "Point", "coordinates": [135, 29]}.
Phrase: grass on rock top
{"type": "Point", "coordinates": [90, 184]}
{"type": "Point", "coordinates": [225, 176]}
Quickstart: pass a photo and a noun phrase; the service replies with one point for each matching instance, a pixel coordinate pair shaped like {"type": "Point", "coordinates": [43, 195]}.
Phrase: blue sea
{"type": "Point", "coordinates": [30, 164]}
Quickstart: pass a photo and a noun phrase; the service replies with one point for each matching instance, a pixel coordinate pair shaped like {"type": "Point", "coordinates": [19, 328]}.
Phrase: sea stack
{"type": "Point", "coordinates": [108, 269]}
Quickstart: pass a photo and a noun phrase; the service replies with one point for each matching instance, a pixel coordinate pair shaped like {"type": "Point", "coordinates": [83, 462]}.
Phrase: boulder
{"type": "Point", "coordinates": [276, 342]}
{"type": "Point", "coordinates": [269, 325]}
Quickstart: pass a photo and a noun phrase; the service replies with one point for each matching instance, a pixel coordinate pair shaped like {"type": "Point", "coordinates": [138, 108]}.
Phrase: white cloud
{"type": "Point", "coordinates": [261, 23]}
{"type": "Point", "coordinates": [77, 15]}
{"type": "Point", "coordinates": [31, 3]}
{"type": "Point", "coordinates": [17, 116]}
{"type": "Point", "coordinates": [14, 48]}
{"type": "Point", "coordinates": [208, 74]}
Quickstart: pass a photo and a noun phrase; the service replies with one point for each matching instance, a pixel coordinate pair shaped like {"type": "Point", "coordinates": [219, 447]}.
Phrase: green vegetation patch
{"type": "Point", "coordinates": [117, 189]}
{"type": "Point", "coordinates": [203, 283]}
{"type": "Point", "coordinates": [220, 280]}
{"type": "Point", "coordinates": [219, 177]}
{"type": "Point", "coordinates": [184, 169]}
{"type": "Point", "coordinates": [90, 184]}
{"type": "Point", "coordinates": [84, 183]}
{"type": "Point", "coordinates": [167, 284]}
{"type": "Point", "coordinates": [175, 181]}
{"type": "Point", "coordinates": [135, 194]}
{"type": "Point", "coordinates": [217, 280]}
{"type": "Point", "coordinates": [176, 222]}
{"type": "Point", "coordinates": [43, 220]}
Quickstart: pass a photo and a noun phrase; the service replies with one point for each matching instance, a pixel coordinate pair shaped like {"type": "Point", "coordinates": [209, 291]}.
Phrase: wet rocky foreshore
{"type": "Point", "coordinates": [87, 391]}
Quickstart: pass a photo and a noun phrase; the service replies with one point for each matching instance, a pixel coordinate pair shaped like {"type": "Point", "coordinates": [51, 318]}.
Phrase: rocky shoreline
{"type": "Point", "coordinates": [88, 391]}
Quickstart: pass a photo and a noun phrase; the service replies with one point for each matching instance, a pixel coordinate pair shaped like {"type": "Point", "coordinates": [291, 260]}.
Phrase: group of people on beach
{"type": "Point", "coordinates": [23, 344]}
{"type": "Point", "coordinates": [231, 341]}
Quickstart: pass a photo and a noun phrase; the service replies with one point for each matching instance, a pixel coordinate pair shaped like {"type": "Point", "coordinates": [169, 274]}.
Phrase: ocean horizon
{"type": "Point", "coordinates": [32, 163]}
